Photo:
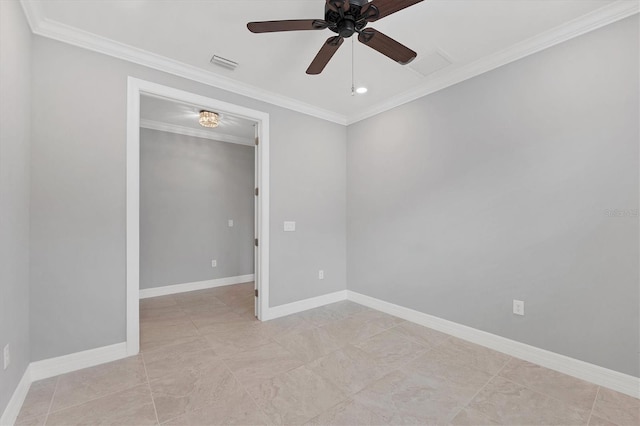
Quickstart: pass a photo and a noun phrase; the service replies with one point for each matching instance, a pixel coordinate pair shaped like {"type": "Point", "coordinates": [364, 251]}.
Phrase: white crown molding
{"type": "Point", "coordinates": [146, 293]}
{"type": "Point", "coordinates": [579, 26]}
{"type": "Point", "coordinates": [573, 367]}
{"type": "Point", "coordinates": [188, 131]}
{"type": "Point", "coordinates": [592, 21]}
{"type": "Point", "coordinates": [77, 37]}
{"type": "Point", "coordinates": [12, 409]}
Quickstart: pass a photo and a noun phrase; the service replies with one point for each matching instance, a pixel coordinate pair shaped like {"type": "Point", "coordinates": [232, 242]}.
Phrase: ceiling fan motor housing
{"type": "Point", "coordinates": [347, 23]}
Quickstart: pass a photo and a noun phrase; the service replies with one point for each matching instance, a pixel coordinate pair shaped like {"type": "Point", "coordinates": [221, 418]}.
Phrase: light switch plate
{"type": "Point", "coordinates": [289, 226]}
{"type": "Point", "coordinates": [6, 356]}
{"type": "Point", "coordinates": [518, 307]}
{"type": "Point", "coordinates": [230, 223]}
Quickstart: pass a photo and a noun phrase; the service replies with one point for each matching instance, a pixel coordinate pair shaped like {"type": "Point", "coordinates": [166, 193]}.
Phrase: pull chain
{"type": "Point", "coordinates": [353, 84]}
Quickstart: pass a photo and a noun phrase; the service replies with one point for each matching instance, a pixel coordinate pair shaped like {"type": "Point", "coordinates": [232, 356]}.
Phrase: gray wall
{"type": "Point", "coordinates": [497, 189]}
{"type": "Point", "coordinates": [189, 188]}
{"type": "Point", "coordinates": [15, 95]}
{"type": "Point", "coordinates": [78, 197]}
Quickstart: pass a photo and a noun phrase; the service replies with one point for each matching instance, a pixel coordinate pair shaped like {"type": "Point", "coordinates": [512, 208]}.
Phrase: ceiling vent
{"type": "Point", "coordinates": [430, 63]}
{"type": "Point", "coordinates": [224, 62]}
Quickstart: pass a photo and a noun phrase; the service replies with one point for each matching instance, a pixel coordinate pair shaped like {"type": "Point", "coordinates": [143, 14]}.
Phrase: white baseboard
{"type": "Point", "coordinates": [196, 285]}
{"type": "Point", "coordinates": [12, 409]}
{"type": "Point", "coordinates": [303, 305]}
{"type": "Point", "coordinates": [611, 379]}
{"type": "Point", "coordinates": [76, 361]}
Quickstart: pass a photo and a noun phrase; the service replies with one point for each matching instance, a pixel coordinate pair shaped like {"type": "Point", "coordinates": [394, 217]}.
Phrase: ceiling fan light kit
{"type": "Point", "coordinates": [345, 18]}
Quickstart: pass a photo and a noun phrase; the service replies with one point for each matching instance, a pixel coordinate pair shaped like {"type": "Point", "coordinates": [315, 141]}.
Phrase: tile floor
{"type": "Point", "coordinates": [206, 360]}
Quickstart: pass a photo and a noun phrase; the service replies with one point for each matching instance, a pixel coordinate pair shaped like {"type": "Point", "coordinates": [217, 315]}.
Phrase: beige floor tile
{"type": "Point", "coordinates": [391, 350]}
{"type": "Point", "coordinates": [235, 337]}
{"type": "Point", "coordinates": [31, 421]}
{"type": "Point", "coordinates": [285, 325]}
{"type": "Point", "coordinates": [597, 421]}
{"type": "Point", "coordinates": [231, 327]}
{"type": "Point", "coordinates": [190, 390]}
{"type": "Point", "coordinates": [163, 333]}
{"type": "Point", "coordinates": [204, 320]}
{"type": "Point", "coordinates": [352, 329]}
{"type": "Point", "coordinates": [261, 363]}
{"type": "Point", "coordinates": [90, 383]}
{"type": "Point", "coordinates": [38, 399]}
{"type": "Point", "coordinates": [616, 407]}
{"type": "Point", "coordinates": [206, 297]}
{"type": "Point", "coordinates": [309, 344]}
{"type": "Point", "coordinates": [450, 377]}
{"type": "Point", "coordinates": [348, 413]}
{"type": "Point", "coordinates": [129, 407]}
{"type": "Point", "coordinates": [424, 335]}
{"type": "Point", "coordinates": [473, 355]}
{"type": "Point", "coordinates": [348, 308]}
{"type": "Point", "coordinates": [235, 299]}
{"type": "Point", "coordinates": [509, 403]}
{"type": "Point", "coordinates": [157, 303]}
{"type": "Point", "coordinates": [402, 399]}
{"type": "Point", "coordinates": [470, 417]}
{"type": "Point", "coordinates": [296, 396]}
{"type": "Point", "coordinates": [573, 391]}
{"type": "Point", "coordinates": [349, 368]}
{"type": "Point", "coordinates": [166, 313]}
{"type": "Point", "coordinates": [239, 409]}
{"type": "Point", "coordinates": [380, 319]}
{"type": "Point", "coordinates": [324, 315]}
{"type": "Point", "coordinates": [193, 354]}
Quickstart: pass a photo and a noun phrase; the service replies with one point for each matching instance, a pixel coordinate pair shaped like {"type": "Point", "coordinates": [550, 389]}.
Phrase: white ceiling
{"type": "Point", "coordinates": [177, 117]}
{"type": "Point", "coordinates": [469, 33]}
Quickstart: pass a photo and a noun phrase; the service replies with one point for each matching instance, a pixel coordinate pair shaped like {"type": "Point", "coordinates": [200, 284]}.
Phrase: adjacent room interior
{"type": "Point", "coordinates": [211, 213]}
{"type": "Point", "coordinates": [197, 218]}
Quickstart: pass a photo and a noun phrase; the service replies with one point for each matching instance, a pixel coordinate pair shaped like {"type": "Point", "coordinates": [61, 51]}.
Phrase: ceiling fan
{"type": "Point", "coordinates": [346, 17]}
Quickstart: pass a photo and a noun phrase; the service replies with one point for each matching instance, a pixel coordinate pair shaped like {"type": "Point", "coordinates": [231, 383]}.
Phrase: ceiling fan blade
{"type": "Point", "coordinates": [289, 25]}
{"type": "Point", "coordinates": [324, 55]}
{"type": "Point", "coordinates": [336, 5]}
{"type": "Point", "coordinates": [385, 8]}
{"type": "Point", "coordinates": [387, 46]}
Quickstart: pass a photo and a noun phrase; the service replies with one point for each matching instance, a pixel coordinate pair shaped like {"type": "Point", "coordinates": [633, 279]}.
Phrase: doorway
{"type": "Point", "coordinates": [137, 89]}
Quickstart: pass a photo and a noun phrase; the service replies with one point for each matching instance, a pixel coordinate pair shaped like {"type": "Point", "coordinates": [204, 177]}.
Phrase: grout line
{"type": "Point", "coordinates": [593, 405]}
{"type": "Point", "coordinates": [244, 389]}
{"type": "Point", "coordinates": [46, 416]}
{"type": "Point", "coordinates": [97, 397]}
{"type": "Point", "coordinates": [465, 405]}
{"type": "Point", "coordinates": [153, 401]}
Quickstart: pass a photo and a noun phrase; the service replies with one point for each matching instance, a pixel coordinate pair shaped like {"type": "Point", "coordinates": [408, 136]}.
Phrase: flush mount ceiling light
{"type": "Point", "coordinates": [209, 119]}
{"type": "Point", "coordinates": [361, 90]}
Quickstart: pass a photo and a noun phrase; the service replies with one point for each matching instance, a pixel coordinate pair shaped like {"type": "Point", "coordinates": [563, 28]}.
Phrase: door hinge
{"type": "Point", "coordinates": [257, 141]}
{"type": "Point", "coordinates": [256, 242]}
{"type": "Point", "coordinates": [257, 192]}
{"type": "Point", "coordinates": [256, 292]}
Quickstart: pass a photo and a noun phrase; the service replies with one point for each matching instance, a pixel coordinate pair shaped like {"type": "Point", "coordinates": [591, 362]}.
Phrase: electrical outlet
{"type": "Point", "coordinates": [518, 307]}
{"type": "Point", "coordinates": [7, 356]}
{"type": "Point", "coordinates": [230, 223]}
{"type": "Point", "coordinates": [214, 263]}
{"type": "Point", "coordinates": [321, 274]}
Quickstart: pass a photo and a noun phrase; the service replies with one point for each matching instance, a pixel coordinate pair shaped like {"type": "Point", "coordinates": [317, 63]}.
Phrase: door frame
{"type": "Point", "coordinates": [135, 88]}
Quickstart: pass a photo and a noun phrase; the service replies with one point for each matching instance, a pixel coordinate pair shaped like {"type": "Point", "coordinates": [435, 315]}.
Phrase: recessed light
{"type": "Point", "coordinates": [361, 90]}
